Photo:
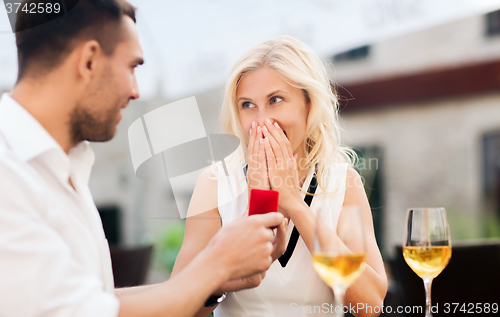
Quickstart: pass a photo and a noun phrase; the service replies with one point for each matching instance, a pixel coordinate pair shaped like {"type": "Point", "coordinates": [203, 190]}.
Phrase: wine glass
{"type": "Point", "coordinates": [339, 250]}
{"type": "Point", "coordinates": [427, 246]}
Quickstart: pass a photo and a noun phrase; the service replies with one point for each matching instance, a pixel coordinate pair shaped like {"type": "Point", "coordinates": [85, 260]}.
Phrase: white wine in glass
{"type": "Point", "coordinates": [427, 246]}
{"type": "Point", "coordinates": [339, 250]}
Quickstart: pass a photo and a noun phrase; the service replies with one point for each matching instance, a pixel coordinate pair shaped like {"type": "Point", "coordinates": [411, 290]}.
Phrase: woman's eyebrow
{"type": "Point", "coordinates": [268, 96]}
{"type": "Point", "coordinates": [244, 98]}
{"type": "Point", "coordinates": [275, 92]}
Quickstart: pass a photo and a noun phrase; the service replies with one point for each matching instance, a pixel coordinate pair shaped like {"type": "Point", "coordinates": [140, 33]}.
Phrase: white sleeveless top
{"type": "Point", "coordinates": [293, 290]}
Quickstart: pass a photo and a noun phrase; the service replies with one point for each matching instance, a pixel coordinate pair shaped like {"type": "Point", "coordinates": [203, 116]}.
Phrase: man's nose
{"type": "Point", "coordinates": [135, 90]}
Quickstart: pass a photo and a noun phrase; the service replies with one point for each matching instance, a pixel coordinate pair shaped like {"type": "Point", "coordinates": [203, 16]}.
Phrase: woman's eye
{"type": "Point", "coordinates": [276, 99]}
{"type": "Point", "coordinates": [247, 104]}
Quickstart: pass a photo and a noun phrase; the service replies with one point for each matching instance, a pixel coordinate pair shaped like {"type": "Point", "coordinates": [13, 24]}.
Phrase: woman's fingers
{"type": "Point", "coordinates": [278, 153]}
{"type": "Point", "coordinates": [256, 139]}
{"type": "Point", "coordinates": [296, 167]}
{"type": "Point", "coordinates": [257, 168]}
{"type": "Point", "coordinates": [253, 147]}
{"type": "Point", "coordinates": [286, 141]}
{"type": "Point", "coordinates": [251, 143]}
{"type": "Point", "coordinates": [271, 158]}
{"type": "Point", "coordinates": [280, 137]}
{"type": "Point", "coordinates": [263, 163]}
{"type": "Point", "coordinates": [251, 139]}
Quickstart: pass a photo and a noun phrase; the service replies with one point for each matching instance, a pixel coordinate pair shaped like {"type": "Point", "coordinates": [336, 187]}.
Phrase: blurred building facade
{"type": "Point", "coordinates": [429, 102]}
{"type": "Point", "coordinates": [425, 107]}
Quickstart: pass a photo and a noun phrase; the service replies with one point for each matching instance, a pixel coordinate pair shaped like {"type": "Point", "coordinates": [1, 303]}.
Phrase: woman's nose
{"type": "Point", "coordinates": [262, 117]}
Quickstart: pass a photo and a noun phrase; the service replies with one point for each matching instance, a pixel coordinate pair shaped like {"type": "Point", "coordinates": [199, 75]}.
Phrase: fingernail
{"type": "Point", "coordinates": [250, 131]}
{"type": "Point", "coordinates": [253, 124]}
{"type": "Point", "coordinates": [258, 129]}
{"type": "Point", "coordinates": [269, 121]}
{"type": "Point", "coordinates": [276, 125]}
{"type": "Point", "coordinates": [265, 128]}
{"type": "Point", "coordinates": [260, 140]}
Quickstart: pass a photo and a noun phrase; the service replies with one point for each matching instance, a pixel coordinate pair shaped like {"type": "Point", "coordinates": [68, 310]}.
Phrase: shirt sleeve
{"type": "Point", "coordinates": [38, 274]}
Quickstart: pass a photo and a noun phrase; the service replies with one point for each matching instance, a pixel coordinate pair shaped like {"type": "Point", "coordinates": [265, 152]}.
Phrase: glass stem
{"type": "Point", "coordinates": [428, 304]}
{"type": "Point", "coordinates": [339, 293]}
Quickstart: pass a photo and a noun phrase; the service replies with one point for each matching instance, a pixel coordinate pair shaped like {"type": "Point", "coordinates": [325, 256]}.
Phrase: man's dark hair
{"type": "Point", "coordinates": [44, 40]}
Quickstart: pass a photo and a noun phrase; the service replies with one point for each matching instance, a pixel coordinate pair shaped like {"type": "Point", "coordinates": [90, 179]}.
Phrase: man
{"type": "Point", "coordinates": [76, 72]}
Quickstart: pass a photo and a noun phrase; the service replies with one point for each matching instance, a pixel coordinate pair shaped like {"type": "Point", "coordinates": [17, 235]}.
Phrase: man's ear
{"type": "Point", "coordinates": [88, 60]}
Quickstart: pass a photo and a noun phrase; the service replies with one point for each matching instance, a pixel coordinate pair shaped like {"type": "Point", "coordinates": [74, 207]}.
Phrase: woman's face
{"type": "Point", "coordinates": [262, 95]}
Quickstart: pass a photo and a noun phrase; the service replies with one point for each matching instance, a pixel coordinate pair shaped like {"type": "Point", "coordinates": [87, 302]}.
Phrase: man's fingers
{"type": "Point", "coordinates": [279, 243]}
{"type": "Point", "coordinates": [285, 225]}
{"type": "Point", "coordinates": [271, 219]}
{"type": "Point", "coordinates": [242, 283]}
{"type": "Point", "coordinates": [281, 231]}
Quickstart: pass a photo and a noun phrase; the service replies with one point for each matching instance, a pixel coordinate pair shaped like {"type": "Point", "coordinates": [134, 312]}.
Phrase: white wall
{"type": "Point", "coordinates": [449, 45]}
{"type": "Point", "coordinates": [432, 155]}
{"type": "Point", "coordinates": [147, 205]}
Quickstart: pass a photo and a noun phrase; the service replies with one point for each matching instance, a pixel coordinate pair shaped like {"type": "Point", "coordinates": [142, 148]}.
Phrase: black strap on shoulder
{"type": "Point", "coordinates": [295, 233]}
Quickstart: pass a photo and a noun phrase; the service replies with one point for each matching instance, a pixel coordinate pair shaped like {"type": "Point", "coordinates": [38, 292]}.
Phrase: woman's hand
{"type": "Point", "coordinates": [257, 169]}
{"type": "Point", "coordinates": [282, 166]}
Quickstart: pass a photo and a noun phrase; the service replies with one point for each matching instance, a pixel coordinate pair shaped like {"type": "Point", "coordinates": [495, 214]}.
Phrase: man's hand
{"type": "Point", "coordinates": [241, 283]}
{"type": "Point", "coordinates": [245, 247]}
{"type": "Point", "coordinates": [279, 243]}
{"type": "Point", "coordinates": [279, 247]}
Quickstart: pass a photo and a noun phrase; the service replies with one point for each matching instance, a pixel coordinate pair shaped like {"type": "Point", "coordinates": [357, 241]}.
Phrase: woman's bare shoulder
{"type": "Point", "coordinates": [355, 190]}
{"type": "Point", "coordinates": [205, 194]}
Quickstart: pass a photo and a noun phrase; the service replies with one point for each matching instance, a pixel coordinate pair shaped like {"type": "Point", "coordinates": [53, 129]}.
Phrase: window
{"type": "Point", "coordinates": [353, 55]}
{"type": "Point", "coordinates": [491, 171]}
{"type": "Point", "coordinates": [369, 168]}
{"type": "Point", "coordinates": [493, 23]}
{"type": "Point", "coordinates": [491, 184]}
{"type": "Point", "coordinates": [110, 217]}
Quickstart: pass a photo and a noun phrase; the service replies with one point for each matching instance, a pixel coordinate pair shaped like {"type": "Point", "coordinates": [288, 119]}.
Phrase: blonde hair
{"type": "Point", "coordinates": [299, 66]}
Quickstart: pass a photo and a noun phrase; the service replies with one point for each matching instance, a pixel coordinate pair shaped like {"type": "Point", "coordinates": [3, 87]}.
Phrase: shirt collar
{"type": "Point", "coordinates": [25, 136]}
{"type": "Point", "coordinates": [28, 139]}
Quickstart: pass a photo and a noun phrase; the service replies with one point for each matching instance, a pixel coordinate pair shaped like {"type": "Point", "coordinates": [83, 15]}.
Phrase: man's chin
{"type": "Point", "coordinates": [91, 127]}
{"type": "Point", "coordinates": [103, 137]}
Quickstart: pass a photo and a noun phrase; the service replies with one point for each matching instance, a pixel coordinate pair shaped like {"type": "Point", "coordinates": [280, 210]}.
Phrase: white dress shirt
{"type": "Point", "coordinates": [54, 257]}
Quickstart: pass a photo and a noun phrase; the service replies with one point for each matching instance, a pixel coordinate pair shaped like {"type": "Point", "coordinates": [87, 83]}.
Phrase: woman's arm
{"type": "Point", "coordinates": [199, 230]}
{"type": "Point", "coordinates": [220, 261]}
{"type": "Point", "coordinates": [180, 295]}
{"type": "Point", "coordinates": [371, 287]}
{"type": "Point", "coordinates": [202, 225]}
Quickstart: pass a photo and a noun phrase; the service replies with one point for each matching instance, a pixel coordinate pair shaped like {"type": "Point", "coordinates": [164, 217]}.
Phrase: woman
{"type": "Point", "coordinates": [279, 102]}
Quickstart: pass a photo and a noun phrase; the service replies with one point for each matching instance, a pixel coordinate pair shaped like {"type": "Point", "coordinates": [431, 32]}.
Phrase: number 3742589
{"type": "Point", "coordinates": [33, 8]}
{"type": "Point", "coordinates": [471, 308]}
